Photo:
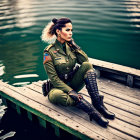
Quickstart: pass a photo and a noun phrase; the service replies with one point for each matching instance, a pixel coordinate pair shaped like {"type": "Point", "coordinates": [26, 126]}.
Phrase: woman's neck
{"type": "Point", "coordinates": [61, 40]}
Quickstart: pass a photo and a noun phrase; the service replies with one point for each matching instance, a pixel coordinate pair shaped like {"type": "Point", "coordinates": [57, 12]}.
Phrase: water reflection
{"type": "Point", "coordinates": [20, 78]}
{"type": "Point", "coordinates": [18, 60]}
{"type": "Point", "coordinates": [2, 109]}
{"type": "Point", "coordinates": [26, 75]}
{"type": "Point", "coordinates": [134, 13]}
{"type": "Point", "coordinates": [106, 30]}
{"type": "Point", "coordinates": [21, 84]}
{"type": "Point", "coordinates": [9, 134]}
{"type": "Point", "coordinates": [23, 19]}
{"type": "Point", "coordinates": [18, 48]}
{"type": "Point", "coordinates": [16, 13]}
{"type": "Point", "coordinates": [2, 68]}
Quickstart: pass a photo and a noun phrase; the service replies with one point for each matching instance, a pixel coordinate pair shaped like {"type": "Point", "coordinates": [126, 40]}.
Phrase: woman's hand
{"type": "Point", "coordinates": [75, 96]}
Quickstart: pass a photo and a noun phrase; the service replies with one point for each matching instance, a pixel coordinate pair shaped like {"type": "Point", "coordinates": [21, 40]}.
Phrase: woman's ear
{"type": "Point", "coordinates": [58, 31]}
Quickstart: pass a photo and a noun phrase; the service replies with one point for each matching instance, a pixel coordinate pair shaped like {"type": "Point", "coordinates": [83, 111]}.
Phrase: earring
{"type": "Point", "coordinates": [59, 35]}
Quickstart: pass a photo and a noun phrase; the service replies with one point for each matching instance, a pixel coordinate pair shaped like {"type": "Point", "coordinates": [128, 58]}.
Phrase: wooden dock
{"type": "Point", "coordinates": [126, 75]}
{"type": "Point", "coordinates": [120, 99]}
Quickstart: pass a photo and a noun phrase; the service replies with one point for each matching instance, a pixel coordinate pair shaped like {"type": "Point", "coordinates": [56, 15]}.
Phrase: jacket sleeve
{"type": "Point", "coordinates": [81, 56]}
{"type": "Point", "coordinates": [55, 80]}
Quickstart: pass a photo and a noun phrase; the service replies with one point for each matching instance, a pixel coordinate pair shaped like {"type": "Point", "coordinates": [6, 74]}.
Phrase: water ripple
{"type": "Point", "coordinates": [100, 24]}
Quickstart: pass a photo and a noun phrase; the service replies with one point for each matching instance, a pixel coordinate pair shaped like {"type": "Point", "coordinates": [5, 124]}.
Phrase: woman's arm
{"type": "Point", "coordinates": [52, 75]}
{"type": "Point", "coordinates": [80, 54]}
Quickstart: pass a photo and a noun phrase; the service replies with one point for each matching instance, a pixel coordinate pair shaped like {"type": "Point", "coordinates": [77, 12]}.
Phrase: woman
{"type": "Point", "coordinates": [60, 60]}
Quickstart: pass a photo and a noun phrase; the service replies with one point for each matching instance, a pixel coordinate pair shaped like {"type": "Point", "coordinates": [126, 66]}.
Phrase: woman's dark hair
{"type": "Point", "coordinates": [59, 24]}
{"type": "Point", "coordinates": [49, 32]}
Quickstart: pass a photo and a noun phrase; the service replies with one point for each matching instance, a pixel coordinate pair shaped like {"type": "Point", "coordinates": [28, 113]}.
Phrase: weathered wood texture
{"type": "Point", "coordinates": [121, 100]}
{"type": "Point", "coordinates": [123, 74]}
{"type": "Point", "coordinates": [114, 66]}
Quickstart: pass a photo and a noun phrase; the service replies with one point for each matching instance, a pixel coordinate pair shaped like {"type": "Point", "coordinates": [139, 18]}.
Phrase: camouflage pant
{"type": "Point", "coordinates": [57, 96]}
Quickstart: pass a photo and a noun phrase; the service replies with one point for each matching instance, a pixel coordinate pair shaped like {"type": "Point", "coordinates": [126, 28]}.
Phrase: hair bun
{"type": "Point", "coordinates": [54, 20]}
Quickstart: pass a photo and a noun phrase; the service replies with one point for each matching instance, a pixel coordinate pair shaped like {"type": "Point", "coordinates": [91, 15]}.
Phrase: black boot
{"type": "Point", "coordinates": [81, 103]}
{"type": "Point", "coordinates": [97, 100]}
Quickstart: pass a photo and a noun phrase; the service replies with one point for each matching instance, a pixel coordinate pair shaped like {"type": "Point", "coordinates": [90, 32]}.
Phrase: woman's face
{"type": "Point", "coordinates": [66, 32]}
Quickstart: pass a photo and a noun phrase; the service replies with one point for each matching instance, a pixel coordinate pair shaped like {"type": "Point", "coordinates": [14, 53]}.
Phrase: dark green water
{"type": "Point", "coordinates": [105, 29]}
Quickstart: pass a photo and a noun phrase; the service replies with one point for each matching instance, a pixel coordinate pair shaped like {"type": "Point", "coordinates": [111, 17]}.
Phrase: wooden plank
{"type": "Point", "coordinates": [50, 115]}
{"type": "Point", "coordinates": [114, 86]}
{"type": "Point", "coordinates": [121, 110]}
{"type": "Point", "coordinates": [115, 67]}
{"type": "Point", "coordinates": [119, 100]}
{"type": "Point", "coordinates": [121, 104]}
{"type": "Point", "coordinates": [107, 100]}
{"type": "Point", "coordinates": [110, 88]}
{"type": "Point", "coordinates": [108, 92]}
{"type": "Point", "coordinates": [39, 83]}
{"type": "Point", "coordinates": [122, 126]}
{"type": "Point", "coordinates": [40, 110]}
{"type": "Point", "coordinates": [35, 88]}
{"type": "Point", "coordinates": [125, 124]}
{"type": "Point", "coordinates": [124, 99]}
{"type": "Point", "coordinates": [122, 117]}
{"type": "Point", "coordinates": [38, 89]}
{"type": "Point", "coordinates": [118, 95]}
{"type": "Point", "coordinates": [122, 123]}
{"type": "Point", "coordinates": [96, 128]}
{"type": "Point", "coordinates": [29, 91]}
{"type": "Point", "coordinates": [125, 116]}
{"type": "Point", "coordinates": [117, 126]}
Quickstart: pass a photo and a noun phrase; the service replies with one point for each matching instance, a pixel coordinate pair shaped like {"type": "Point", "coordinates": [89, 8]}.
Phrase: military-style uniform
{"type": "Point", "coordinates": [60, 62]}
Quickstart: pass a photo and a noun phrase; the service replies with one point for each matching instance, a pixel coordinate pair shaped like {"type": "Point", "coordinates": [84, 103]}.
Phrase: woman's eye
{"type": "Point", "coordinates": [69, 30]}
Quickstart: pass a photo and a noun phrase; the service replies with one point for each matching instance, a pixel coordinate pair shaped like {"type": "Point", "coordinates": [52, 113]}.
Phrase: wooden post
{"type": "Point", "coordinates": [56, 129]}
{"type": "Point", "coordinates": [98, 74]}
{"type": "Point", "coordinates": [18, 109]}
{"type": "Point", "coordinates": [42, 122]}
{"type": "Point", "coordinates": [129, 80]}
{"type": "Point", "coordinates": [74, 137]}
{"type": "Point", "coordinates": [4, 102]}
{"type": "Point", "coordinates": [29, 114]}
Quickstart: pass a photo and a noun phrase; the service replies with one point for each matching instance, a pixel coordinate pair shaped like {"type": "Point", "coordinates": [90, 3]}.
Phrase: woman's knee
{"type": "Point", "coordinates": [87, 66]}
{"type": "Point", "coordinates": [57, 96]}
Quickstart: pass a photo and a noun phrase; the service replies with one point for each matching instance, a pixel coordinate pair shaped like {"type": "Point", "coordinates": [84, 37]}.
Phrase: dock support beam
{"type": "Point", "coordinates": [98, 74]}
{"type": "Point", "coordinates": [129, 80]}
{"type": "Point", "coordinates": [56, 129]}
{"type": "Point", "coordinates": [29, 114]}
{"type": "Point", "coordinates": [4, 102]}
{"type": "Point", "coordinates": [18, 109]}
{"type": "Point", "coordinates": [42, 122]}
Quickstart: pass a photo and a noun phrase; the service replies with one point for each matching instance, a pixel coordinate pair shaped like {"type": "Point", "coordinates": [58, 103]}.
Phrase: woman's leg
{"type": "Point", "coordinates": [57, 96]}
{"type": "Point", "coordinates": [97, 99]}
{"type": "Point", "coordinates": [86, 75]}
{"type": "Point", "coordinates": [77, 83]}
